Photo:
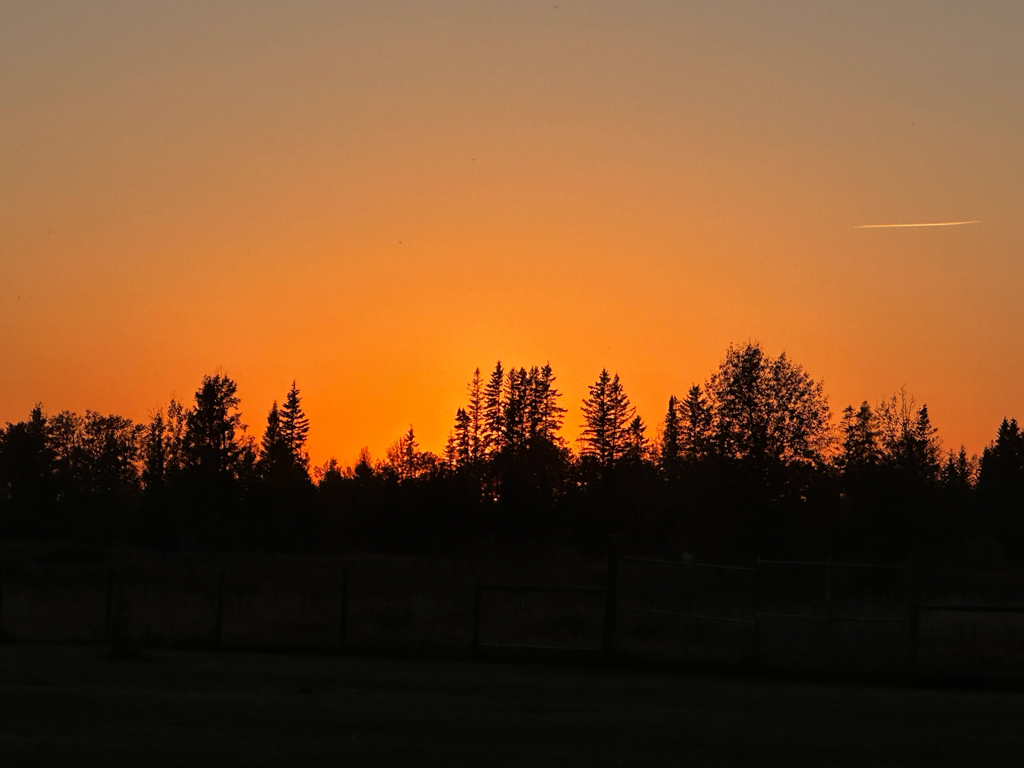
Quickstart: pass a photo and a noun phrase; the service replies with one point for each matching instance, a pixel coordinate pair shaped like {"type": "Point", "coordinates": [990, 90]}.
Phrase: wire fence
{"type": "Point", "coordinates": [772, 614]}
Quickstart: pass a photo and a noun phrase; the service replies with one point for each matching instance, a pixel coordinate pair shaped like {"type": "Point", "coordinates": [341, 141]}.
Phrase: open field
{"type": "Point", "coordinates": [67, 705]}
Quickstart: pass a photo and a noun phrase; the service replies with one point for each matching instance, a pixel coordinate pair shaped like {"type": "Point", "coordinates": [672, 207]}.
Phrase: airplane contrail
{"type": "Point", "coordinates": [930, 224]}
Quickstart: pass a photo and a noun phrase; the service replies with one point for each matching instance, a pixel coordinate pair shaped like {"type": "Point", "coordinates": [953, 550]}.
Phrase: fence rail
{"type": "Point", "coordinates": [688, 616]}
{"type": "Point", "coordinates": [971, 608]}
{"type": "Point", "coordinates": [685, 564]}
{"type": "Point", "coordinates": [689, 605]}
{"type": "Point", "coordinates": [835, 564]}
{"type": "Point", "coordinates": [540, 588]}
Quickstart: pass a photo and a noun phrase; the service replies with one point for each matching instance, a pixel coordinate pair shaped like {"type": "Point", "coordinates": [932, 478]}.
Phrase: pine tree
{"type": "Point", "coordinates": [517, 406]}
{"type": "Point", "coordinates": [451, 460]}
{"type": "Point", "coordinates": [410, 453]}
{"type": "Point", "coordinates": [927, 447]}
{"type": "Point", "coordinates": [547, 415]}
{"type": "Point", "coordinates": [959, 472]}
{"type": "Point", "coordinates": [272, 443]}
{"type": "Point", "coordinates": [695, 441]}
{"type": "Point", "coordinates": [494, 412]}
{"type": "Point", "coordinates": [294, 426]}
{"type": "Point", "coordinates": [1001, 482]}
{"type": "Point", "coordinates": [907, 438]}
{"type": "Point", "coordinates": [637, 447]}
{"type": "Point", "coordinates": [670, 437]}
{"type": "Point", "coordinates": [154, 452]}
{"type": "Point", "coordinates": [475, 411]}
{"type": "Point", "coordinates": [177, 417]}
{"type": "Point", "coordinates": [622, 414]}
{"type": "Point", "coordinates": [860, 437]}
{"type": "Point", "coordinates": [607, 413]}
{"type": "Point", "coordinates": [463, 438]}
{"type": "Point", "coordinates": [596, 418]}
{"type": "Point", "coordinates": [404, 457]}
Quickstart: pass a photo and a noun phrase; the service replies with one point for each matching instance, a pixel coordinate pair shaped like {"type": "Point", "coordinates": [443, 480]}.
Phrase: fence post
{"type": "Point", "coordinates": [913, 614]}
{"type": "Point", "coordinates": [828, 610]}
{"type": "Point", "coordinates": [108, 614]}
{"type": "Point", "coordinates": [219, 629]}
{"type": "Point", "coordinates": [476, 619]}
{"type": "Point", "coordinates": [611, 597]}
{"type": "Point", "coordinates": [343, 633]}
{"type": "Point", "coordinates": [755, 604]}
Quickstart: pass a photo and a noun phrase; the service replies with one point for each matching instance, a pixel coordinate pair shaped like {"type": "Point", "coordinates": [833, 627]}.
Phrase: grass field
{"type": "Point", "coordinates": [67, 705]}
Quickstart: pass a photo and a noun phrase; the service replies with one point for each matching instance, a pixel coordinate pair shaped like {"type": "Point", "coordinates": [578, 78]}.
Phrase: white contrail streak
{"type": "Point", "coordinates": [931, 224]}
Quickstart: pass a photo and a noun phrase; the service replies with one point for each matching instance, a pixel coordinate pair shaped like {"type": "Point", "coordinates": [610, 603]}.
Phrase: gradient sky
{"type": "Point", "coordinates": [376, 198]}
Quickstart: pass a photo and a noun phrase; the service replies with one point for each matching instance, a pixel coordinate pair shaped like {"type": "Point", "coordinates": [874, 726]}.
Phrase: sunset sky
{"type": "Point", "coordinates": [376, 198]}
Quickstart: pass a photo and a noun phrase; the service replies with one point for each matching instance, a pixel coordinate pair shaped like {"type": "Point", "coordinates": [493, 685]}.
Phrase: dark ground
{"type": "Point", "coordinates": [67, 705]}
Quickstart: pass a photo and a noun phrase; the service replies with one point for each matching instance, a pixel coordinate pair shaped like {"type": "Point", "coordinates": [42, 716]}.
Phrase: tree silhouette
{"type": "Point", "coordinates": [768, 412]}
{"type": "Point", "coordinates": [546, 414]}
{"type": "Point", "coordinates": [668, 454]}
{"type": "Point", "coordinates": [907, 437]}
{"type": "Point", "coordinates": [860, 438]}
{"type": "Point", "coordinates": [607, 413]}
{"type": "Point", "coordinates": [494, 412]}
{"type": "Point", "coordinates": [213, 425]}
{"type": "Point", "coordinates": [405, 460]}
{"type": "Point", "coordinates": [1001, 486]}
{"type": "Point", "coordinates": [154, 452]}
{"type": "Point", "coordinates": [273, 446]}
{"type": "Point", "coordinates": [463, 438]}
{"type": "Point", "coordinates": [695, 424]}
{"type": "Point", "coordinates": [294, 427]}
{"type": "Point", "coordinates": [475, 411]}
{"type": "Point", "coordinates": [517, 405]}
{"type": "Point", "coordinates": [637, 447]}
{"type": "Point", "coordinates": [745, 465]}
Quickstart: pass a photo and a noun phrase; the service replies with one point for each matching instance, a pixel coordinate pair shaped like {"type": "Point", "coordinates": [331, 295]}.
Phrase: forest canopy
{"type": "Point", "coordinates": [748, 463]}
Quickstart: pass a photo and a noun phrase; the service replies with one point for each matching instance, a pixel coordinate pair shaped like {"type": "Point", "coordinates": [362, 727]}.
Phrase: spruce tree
{"type": "Point", "coordinates": [637, 447]}
{"type": "Point", "coordinates": [622, 414]}
{"type": "Point", "coordinates": [451, 460]}
{"type": "Point", "coordinates": [670, 437]}
{"type": "Point", "coordinates": [294, 427]}
{"type": "Point", "coordinates": [177, 416]}
{"type": "Point", "coordinates": [517, 406]}
{"type": "Point", "coordinates": [494, 412]}
{"type": "Point", "coordinates": [410, 452]}
{"type": "Point", "coordinates": [695, 441]}
{"type": "Point", "coordinates": [272, 443]}
{"type": "Point", "coordinates": [549, 414]}
{"type": "Point", "coordinates": [607, 414]}
{"type": "Point", "coordinates": [860, 437]}
{"type": "Point", "coordinates": [927, 446]}
{"type": "Point", "coordinates": [475, 411]}
{"type": "Point", "coordinates": [403, 457]}
{"type": "Point", "coordinates": [462, 438]}
{"type": "Point", "coordinates": [594, 438]}
{"type": "Point", "coordinates": [154, 452]}
{"type": "Point", "coordinates": [959, 473]}
{"type": "Point", "coordinates": [1001, 482]}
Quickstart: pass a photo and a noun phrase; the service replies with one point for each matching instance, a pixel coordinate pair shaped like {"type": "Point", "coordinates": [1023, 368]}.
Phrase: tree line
{"type": "Point", "coordinates": [748, 463]}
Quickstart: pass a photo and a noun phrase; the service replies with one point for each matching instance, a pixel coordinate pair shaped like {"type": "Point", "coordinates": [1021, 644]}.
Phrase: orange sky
{"type": "Point", "coordinates": [375, 200]}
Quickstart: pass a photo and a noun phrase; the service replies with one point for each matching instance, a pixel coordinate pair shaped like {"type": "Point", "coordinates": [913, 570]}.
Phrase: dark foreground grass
{"type": "Point", "coordinates": [66, 705]}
